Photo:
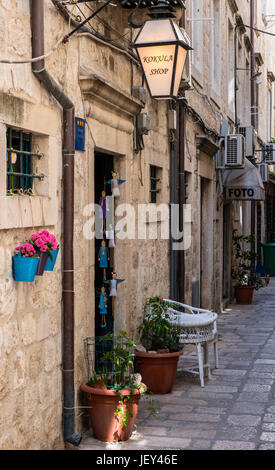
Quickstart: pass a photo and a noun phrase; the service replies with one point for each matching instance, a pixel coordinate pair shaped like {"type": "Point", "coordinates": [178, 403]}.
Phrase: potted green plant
{"type": "Point", "coordinates": [245, 280]}
{"type": "Point", "coordinates": [113, 393]}
{"type": "Point", "coordinates": [158, 364]}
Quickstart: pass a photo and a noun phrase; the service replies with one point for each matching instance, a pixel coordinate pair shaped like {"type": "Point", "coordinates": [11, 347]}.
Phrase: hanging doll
{"type": "Point", "coordinates": [113, 287]}
{"type": "Point", "coordinates": [110, 234]}
{"type": "Point", "coordinates": [102, 203]}
{"type": "Point", "coordinates": [114, 182]}
{"type": "Point", "coordinates": [103, 306]}
{"type": "Point", "coordinates": [103, 257]}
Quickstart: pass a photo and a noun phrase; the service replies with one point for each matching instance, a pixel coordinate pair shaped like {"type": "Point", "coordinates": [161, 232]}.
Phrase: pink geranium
{"type": "Point", "coordinates": [44, 242]}
{"type": "Point", "coordinates": [26, 250]}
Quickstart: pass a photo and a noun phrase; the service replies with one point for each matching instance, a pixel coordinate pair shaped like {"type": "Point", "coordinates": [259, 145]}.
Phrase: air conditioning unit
{"type": "Point", "coordinates": [263, 169]}
{"type": "Point", "coordinates": [270, 153]}
{"type": "Point", "coordinates": [234, 150]}
{"type": "Point", "coordinates": [250, 136]}
{"type": "Point", "coordinates": [186, 79]}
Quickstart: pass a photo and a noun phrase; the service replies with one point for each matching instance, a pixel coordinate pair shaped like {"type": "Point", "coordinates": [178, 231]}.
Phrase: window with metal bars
{"type": "Point", "coordinates": [154, 182]}
{"type": "Point", "coordinates": [20, 162]}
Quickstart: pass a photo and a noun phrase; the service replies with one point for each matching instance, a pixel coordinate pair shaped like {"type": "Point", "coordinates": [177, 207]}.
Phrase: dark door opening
{"type": "Point", "coordinates": [103, 166]}
{"type": "Point", "coordinates": [226, 229]}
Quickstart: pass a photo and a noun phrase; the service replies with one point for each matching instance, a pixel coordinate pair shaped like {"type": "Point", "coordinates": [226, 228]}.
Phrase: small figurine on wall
{"type": "Point", "coordinates": [114, 182]}
{"type": "Point", "coordinates": [103, 307]}
{"type": "Point", "coordinates": [103, 257]}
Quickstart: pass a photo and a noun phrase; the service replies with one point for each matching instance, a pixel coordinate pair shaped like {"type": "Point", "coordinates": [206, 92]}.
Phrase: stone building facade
{"type": "Point", "coordinates": [211, 24]}
{"type": "Point", "coordinates": [98, 73]}
{"type": "Point", "coordinates": [98, 77]}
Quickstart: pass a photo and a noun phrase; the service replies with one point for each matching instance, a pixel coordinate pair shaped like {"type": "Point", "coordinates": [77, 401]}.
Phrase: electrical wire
{"type": "Point", "coordinates": [98, 36]}
{"type": "Point", "coordinates": [34, 59]}
{"type": "Point", "coordinates": [122, 36]}
{"type": "Point", "coordinates": [198, 120]}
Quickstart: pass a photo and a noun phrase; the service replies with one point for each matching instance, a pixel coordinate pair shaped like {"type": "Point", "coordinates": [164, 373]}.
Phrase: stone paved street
{"type": "Point", "coordinates": [236, 409]}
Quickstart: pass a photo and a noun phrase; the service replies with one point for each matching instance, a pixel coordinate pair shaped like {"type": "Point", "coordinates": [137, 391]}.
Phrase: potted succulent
{"type": "Point", "coordinates": [161, 340]}
{"type": "Point", "coordinates": [245, 280]}
{"type": "Point", "coordinates": [113, 393]}
{"type": "Point", "coordinates": [25, 263]}
{"type": "Point", "coordinates": [46, 246]}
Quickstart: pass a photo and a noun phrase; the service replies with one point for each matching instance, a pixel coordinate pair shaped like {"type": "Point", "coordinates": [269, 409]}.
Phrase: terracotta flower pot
{"type": "Point", "coordinates": [244, 294]}
{"type": "Point", "coordinates": [158, 371]}
{"type": "Point", "coordinates": [103, 405]}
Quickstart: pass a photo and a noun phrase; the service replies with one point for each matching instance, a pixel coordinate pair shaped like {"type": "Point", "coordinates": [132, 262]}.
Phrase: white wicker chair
{"type": "Point", "coordinates": [198, 327]}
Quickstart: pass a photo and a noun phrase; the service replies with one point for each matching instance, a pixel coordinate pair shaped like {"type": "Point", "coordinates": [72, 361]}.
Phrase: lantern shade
{"type": "Point", "coordinates": [162, 51]}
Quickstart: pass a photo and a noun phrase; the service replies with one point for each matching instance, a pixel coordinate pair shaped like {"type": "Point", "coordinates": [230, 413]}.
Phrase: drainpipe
{"type": "Point", "coordinates": [181, 187]}
{"type": "Point", "coordinates": [253, 115]}
{"type": "Point", "coordinates": [173, 200]}
{"type": "Point", "coordinates": [38, 68]}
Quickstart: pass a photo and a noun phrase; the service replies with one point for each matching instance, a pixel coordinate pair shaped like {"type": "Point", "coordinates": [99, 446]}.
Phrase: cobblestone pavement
{"type": "Point", "coordinates": [236, 409]}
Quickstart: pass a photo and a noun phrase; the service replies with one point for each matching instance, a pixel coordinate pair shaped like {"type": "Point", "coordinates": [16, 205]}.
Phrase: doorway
{"type": "Point", "coordinates": [103, 167]}
{"type": "Point", "coordinates": [226, 252]}
{"type": "Point", "coordinates": [206, 244]}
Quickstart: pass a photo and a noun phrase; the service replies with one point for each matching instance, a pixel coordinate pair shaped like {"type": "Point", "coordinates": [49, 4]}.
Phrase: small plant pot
{"type": "Point", "coordinates": [51, 262]}
{"type": "Point", "coordinates": [158, 371]}
{"type": "Point", "coordinates": [41, 264]}
{"type": "Point", "coordinates": [24, 269]}
{"type": "Point", "coordinates": [244, 294]}
{"type": "Point", "coordinates": [102, 406]}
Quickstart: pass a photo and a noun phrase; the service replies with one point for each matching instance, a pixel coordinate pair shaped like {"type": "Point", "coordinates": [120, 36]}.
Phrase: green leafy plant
{"type": "Point", "coordinates": [156, 331]}
{"type": "Point", "coordinates": [241, 272]}
{"type": "Point", "coordinates": [121, 361]}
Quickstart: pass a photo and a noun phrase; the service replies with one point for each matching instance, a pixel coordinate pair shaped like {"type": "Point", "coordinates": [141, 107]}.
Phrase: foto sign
{"type": "Point", "coordinates": [244, 194]}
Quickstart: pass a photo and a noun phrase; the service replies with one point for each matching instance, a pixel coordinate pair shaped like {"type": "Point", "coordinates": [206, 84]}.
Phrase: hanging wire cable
{"type": "Point", "coordinates": [35, 59]}
{"type": "Point", "coordinates": [108, 26]}
{"type": "Point", "coordinates": [95, 35]}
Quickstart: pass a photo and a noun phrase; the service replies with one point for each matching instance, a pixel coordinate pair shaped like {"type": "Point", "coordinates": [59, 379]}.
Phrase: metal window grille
{"type": "Point", "coordinates": [153, 184]}
{"type": "Point", "coordinates": [20, 161]}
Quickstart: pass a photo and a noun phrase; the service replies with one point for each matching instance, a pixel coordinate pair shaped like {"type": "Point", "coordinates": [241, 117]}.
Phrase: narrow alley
{"type": "Point", "coordinates": [236, 409]}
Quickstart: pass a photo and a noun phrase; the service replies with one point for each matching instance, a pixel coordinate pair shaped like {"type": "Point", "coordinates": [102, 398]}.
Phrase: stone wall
{"type": "Point", "coordinates": [30, 314]}
{"type": "Point", "coordinates": [213, 106]}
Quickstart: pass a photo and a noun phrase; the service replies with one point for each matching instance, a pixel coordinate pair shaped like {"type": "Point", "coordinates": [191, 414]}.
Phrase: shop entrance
{"type": "Point", "coordinates": [103, 166]}
{"type": "Point", "coordinates": [226, 251]}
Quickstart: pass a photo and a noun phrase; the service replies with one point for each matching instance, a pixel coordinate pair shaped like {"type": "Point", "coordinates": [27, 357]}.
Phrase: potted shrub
{"type": "Point", "coordinates": [245, 280]}
{"type": "Point", "coordinates": [158, 364]}
{"type": "Point", "coordinates": [25, 263]}
{"type": "Point", "coordinates": [113, 393]}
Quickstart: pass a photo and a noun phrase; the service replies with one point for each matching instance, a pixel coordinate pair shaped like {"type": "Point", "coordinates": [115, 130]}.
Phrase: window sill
{"type": "Point", "coordinates": [27, 211]}
{"type": "Point", "coordinates": [216, 98]}
{"type": "Point", "coordinates": [197, 76]}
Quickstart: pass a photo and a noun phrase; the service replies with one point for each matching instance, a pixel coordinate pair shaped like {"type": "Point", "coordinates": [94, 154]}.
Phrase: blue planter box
{"type": "Point", "coordinates": [24, 269]}
{"type": "Point", "coordinates": [51, 263]}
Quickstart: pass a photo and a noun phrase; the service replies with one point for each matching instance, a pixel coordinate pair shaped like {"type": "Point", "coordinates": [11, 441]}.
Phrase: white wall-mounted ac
{"type": "Point", "coordinates": [250, 136]}
{"type": "Point", "coordinates": [234, 151]}
{"type": "Point", "coordinates": [186, 79]}
{"type": "Point", "coordinates": [263, 169]}
{"type": "Point", "coordinates": [270, 153]}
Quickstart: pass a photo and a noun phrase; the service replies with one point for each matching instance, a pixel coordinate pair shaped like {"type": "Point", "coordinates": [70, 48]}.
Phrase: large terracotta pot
{"type": "Point", "coordinates": [158, 371]}
{"type": "Point", "coordinates": [244, 294]}
{"type": "Point", "coordinates": [103, 404]}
